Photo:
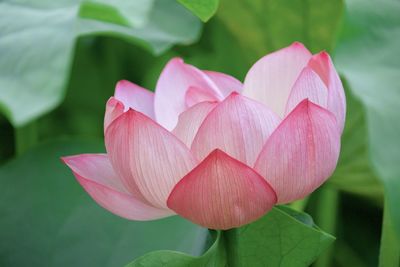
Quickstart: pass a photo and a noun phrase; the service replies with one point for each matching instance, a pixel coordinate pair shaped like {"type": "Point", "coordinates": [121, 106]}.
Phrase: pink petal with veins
{"type": "Point", "coordinates": [222, 193]}
{"type": "Point", "coordinates": [301, 153]}
{"type": "Point", "coordinates": [238, 126]}
{"type": "Point", "coordinates": [270, 79]}
{"type": "Point", "coordinates": [148, 158]}
{"type": "Point", "coordinates": [96, 175]}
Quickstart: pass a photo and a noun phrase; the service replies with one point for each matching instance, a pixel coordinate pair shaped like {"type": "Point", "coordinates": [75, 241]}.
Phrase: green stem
{"type": "Point", "coordinates": [25, 137]}
{"type": "Point", "coordinates": [390, 248]}
{"type": "Point", "coordinates": [231, 249]}
{"type": "Point", "coordinates": [326, 214]}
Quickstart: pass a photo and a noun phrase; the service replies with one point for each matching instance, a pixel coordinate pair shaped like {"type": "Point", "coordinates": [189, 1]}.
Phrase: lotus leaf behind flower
{"type": "Point", "coordinates": [213, 150]}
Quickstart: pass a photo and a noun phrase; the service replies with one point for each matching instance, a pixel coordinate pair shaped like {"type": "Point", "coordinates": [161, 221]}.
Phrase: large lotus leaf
{"type": "Point", "coordinates": [261, 26]}
{"type": "Point", "coordinates": [204, 9]}
{"type": "Point", "coordinates": [354, 172]}
{"type": "Point", "coordinates": [48, 220]}
{"type": "Point", "coordinates": [37, 43]}
{"type": "Point", "coordinates": [283, 238]}
{"type": "Point", "coordinates": [369, 57]}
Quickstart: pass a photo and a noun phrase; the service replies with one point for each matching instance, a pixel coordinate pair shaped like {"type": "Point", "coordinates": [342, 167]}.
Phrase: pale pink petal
{"type": "Point", "coordinates": [225, 83]}
{"type": "Point", "coordinates": [114, 108]}
{"type": "Point", "coordinates": [135, 97]}
{"type": "Point", "coordinates": [196, 95]}
{"type": "Point", "coordinates": [308, 86]}
{"type": "Point", "coordinates": [147, 157]}
{"type": "Point", "coordinates": [190, 121]}
{"type": "Point", "coordinates": [271, 78]}
{"type": "Point", "coordinates": [96, 175]}
{"type": "Point", "coordinates": [302, 152]}
{"type": "Point", "coordinates": [239, 126]}
{"type": "Point", "coordinates": [174, 81]}
{"type": "Point", "coordinates": [222, 193]}
{"type": "Point", "coordinates": [322, 64]}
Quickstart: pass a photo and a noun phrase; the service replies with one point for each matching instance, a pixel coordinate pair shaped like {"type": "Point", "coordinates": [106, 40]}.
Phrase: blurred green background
{"type": "Point", "coordinates": [60, 61]}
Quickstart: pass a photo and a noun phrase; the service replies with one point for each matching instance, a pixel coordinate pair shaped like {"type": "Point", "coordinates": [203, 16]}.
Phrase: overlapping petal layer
{"type": "Point", "coordinates": [302, 152]}
{"type": "Point", "coordinates": [308, 86]}
{"type": "Point", "coordinates": [114, 109]}
{"type": "Point", "coordinates": [176, 78]}
{"type": "Point", "coordinates": [225, 83]}
{"type": "Point", "coordinates": [238, 126]}
{"type": "Point", "coordinates": [135, 97]}
{"type": "Point", "coordinates": [149, 159]}
{"type": "Point", "coordinates": [128, 95]}
{"type": "Point", "coordinates": [190, 121]}
{"type": "Point", "coordinates": [196, 95]}
{"type": "Point", "coordinates": [96, 175]}
{"type": "Point", "coordinates": [322, 64]}
{"type": "Point", "coordinates": [271, 78]}
{"type": "Point", "coordinates": [222, 193]}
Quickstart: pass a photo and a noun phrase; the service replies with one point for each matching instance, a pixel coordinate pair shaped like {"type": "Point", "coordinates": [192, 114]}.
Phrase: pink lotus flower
{"type": "Point", "coordinates": [201, 149]}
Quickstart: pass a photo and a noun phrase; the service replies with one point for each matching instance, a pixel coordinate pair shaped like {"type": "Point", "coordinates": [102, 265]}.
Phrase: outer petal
{"type": "Point", "coordinates": [308, 86]}
{"type": "Point", "coordinates": [190, 121]}
{"type": "Point", "coordinates": [271, 79]}
{"type": "Point", "coordinates": [302, 152]}
{"type": "Point", "coordinates": [96, 175]}
{"type": "Point", "coordinates": [114, 108]}
{"type": "Point", "coordinates": [174, 81]}
{"type": "Point", "coordinates": [135, 97]}
{"type": "Point", "coordinates": [239, 126]}
{"type": "Point", "coordinates": [147, 157]}
{"type": "Point", "coordinates": [225, 83]}
{"type": "Point", "coordinates": [322, 64]}
{"type": "Point", "coordinates": [222, 193]}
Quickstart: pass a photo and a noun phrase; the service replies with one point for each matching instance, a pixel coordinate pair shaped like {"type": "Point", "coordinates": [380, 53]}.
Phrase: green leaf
{"type": "Point", "coordinates": [126, 13]}
{"type": "Point", "coordinates": [263, 26]}
{"type": "Point", "coordinates": [283, 237]}
{"type": "Point", "coordinates": [204, 9]}
{"type": "Point", "coordinates": [389, 254]}
{"type": "Point", "coordinates": [214, 257]}
{"type": "Point", "coordinates": [99, 63]}
{"type": "Point", "coordinates": [48, 220]}
{"type": "Point", "coordinates": [37, 48]}
{"type": "Point", "coordinates": [354, 172]}
{"type": "Point", "coordinates": [369, 57]}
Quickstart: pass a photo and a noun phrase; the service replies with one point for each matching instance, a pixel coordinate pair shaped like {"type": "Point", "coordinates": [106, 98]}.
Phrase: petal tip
{"type": "Point", "coordinates": [306, 105]}
{"type": "Point", "coordinates": [232, 96]}
{"type": "Point", "coordinates": [176, 60]}
{"type": "Point", "coordinates": [217, 152]}
{"type": "Point", "coordinates": [323, 56]}
{"type": "Point", "coordinates": [297, 44]}
{"type": "Point", "coordinates": [113, 102]}
{"type": "Point", "coordinates": [64, 159]}
{"type": "Point", "coordinates": [299, 47]}
{"type": "Point", "coordinates": [68, 159]}
{"type": "Point", "coordinates": [308, 108]}
{"type": "Point", "coordinates": [122, 85]}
